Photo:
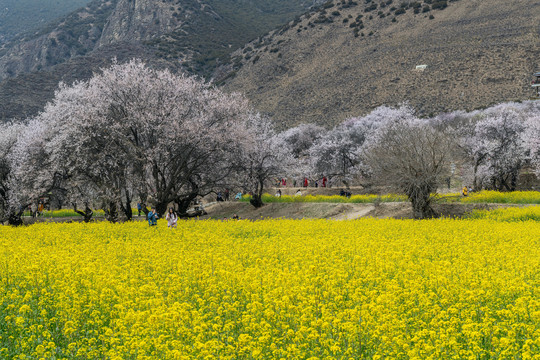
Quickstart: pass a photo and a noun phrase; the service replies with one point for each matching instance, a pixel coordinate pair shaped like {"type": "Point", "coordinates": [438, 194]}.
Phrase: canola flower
{"type": "Point", "coordinates": [271, 289]}
{"type": "Point", "coordinates": [513, 214]}
{"type": "Point", "coordinates": [486, 196]}
{"type": "Point", "coordinates": [514, 197]}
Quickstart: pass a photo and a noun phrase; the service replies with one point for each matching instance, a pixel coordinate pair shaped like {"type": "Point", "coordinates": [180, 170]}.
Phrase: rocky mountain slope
{"type": "Point", "coordinates": [355, 55]}
{"type": "Point", "coordinates": [194, 34]}
{"type": "Point", "coordinates": [23, 16]}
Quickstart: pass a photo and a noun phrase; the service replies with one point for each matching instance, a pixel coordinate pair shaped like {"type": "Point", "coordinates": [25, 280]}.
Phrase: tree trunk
{"type": "Point", "coordinates": [420, 198]}
{"type": "Point", "coordinates": [111, 211]}
{"type": "Point", "coordinates": [161, 208]}
{"type": "Point", "coordinates": [514, 180]}
{"type": "Point", "coordinates": [256, 199]}
{"type": "Point", "coordinates": [15, 219]}
{"type": "Point", "coordinates": [126, 208]}
{"type": "Point", "coordinates": [86, 214]}
{"type": "Point", "coordinates": [183, 206]}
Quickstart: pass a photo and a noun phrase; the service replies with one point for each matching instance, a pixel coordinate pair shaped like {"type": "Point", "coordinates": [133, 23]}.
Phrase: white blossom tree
{"type": "Point", "coordinates": [339, 153]}
{"type": "Point", "coordinates": [531, 142]}
{"type": "Point", "coordinates": [134, 131]}
{"type": "Point", "coordinates": [261, 156]}
{"type": "Point", "coordinates": [10, 209]}
{"type": "Point", "coordinates": [301, 138]}
{"type": "Point", "coordinates": [498, 148]}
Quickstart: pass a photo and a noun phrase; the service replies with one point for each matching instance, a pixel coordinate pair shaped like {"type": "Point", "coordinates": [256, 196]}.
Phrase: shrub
{"type": "Point", "coordinates": [439, 5]}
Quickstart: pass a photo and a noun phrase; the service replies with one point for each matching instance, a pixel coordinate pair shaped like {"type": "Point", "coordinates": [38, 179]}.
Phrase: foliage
{"type": "Point", "coordinates": [271, 289]}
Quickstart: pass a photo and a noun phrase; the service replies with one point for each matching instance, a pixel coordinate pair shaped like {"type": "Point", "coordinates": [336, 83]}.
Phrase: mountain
{"type": "Point", "coordinates": [195, 35]}
{"type": "Point", "coordinates": [24, 16]}
{"type": "Point", "coordinates": [351, 56]}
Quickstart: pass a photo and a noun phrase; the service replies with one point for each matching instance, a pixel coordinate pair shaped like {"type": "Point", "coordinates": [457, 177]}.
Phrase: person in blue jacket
{"type": "Point", "coordinates": [152, 217]}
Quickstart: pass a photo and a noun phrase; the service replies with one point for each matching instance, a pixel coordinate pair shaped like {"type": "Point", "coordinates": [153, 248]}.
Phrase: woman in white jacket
{"type": "Point", "coordinates": [172, 218]}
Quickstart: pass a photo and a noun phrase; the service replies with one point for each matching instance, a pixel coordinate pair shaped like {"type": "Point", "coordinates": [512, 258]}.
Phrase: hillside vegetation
{"type": "Point", "coordinates": [23, 16]}
{"type": "Point", "coordinates": [352, 56]}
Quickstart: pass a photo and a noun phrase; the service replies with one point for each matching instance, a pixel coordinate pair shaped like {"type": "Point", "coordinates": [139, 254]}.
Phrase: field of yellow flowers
{"type": "Point", "coordinates": [272, 289]}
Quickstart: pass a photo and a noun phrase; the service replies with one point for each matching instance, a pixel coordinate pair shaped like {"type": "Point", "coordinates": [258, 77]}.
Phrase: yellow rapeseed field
{"type": "Point", "coordinates": [271, 289]}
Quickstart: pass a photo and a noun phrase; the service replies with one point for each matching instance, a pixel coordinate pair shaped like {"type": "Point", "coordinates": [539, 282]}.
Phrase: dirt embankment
{"type": "Point", "coordinates": [336, 211]}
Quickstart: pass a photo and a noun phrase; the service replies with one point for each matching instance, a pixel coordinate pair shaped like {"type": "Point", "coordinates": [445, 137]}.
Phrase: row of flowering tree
{"type": "Point", "coordinates": [394, 148]}
{"type": "Point", "coordinates": [134, 134]}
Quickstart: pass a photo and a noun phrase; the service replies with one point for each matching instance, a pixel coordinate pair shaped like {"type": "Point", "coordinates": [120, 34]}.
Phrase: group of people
{"type": "Point", "coordinates": [345, 193]}
{"type": "Point", "coordinates": [36, 209]}
{"type": "Point", "coordinates": [223, 196]}
{"type": "Point", "coordinates": [321, 182]}
{"type": "Point", "coordinates": [171, 217]}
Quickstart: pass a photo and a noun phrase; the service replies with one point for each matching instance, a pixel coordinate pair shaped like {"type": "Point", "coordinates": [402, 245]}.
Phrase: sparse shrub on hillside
{"type": "Point", "coordinates": [439, 5]}
{"type": "Point", "coordinates": [370, 8]}
{"type": "Point", "coordinates": [328, 4]}
{"type": "Point", "coordinates": [399, 12]}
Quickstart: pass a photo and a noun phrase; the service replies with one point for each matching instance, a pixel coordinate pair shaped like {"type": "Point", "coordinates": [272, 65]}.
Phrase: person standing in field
{"type": "Point", "coordinates": [152, 217]}
{"type": "Point", "coordinates": [139, 208]}
{"type": "Point", "coordinates": [465, 191]}
{"type": "Point", "coordinates": [40, 209]}
{"type": "Point", "coordinates": [172, 218]}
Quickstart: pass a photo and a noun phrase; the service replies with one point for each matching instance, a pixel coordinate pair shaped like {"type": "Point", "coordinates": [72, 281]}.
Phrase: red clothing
{"type": "Point", "coordinates": [305, 182]}
{"type": "Point", "coordinates": [324, 181]}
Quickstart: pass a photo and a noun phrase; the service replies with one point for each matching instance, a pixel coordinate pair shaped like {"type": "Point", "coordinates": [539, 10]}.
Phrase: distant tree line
{"type": "Point", "coordinates": [133, 134]}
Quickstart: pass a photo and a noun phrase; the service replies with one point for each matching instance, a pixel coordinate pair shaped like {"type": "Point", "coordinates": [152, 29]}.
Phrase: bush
{"type": "Point", "coordinates": [439, 5]}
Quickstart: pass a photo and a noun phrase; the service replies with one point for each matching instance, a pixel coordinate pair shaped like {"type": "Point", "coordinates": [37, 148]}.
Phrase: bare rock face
{"type": "Point", "coordinates": [136, 20]}
{"type": "Point", "coordinates": [71, 36]}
